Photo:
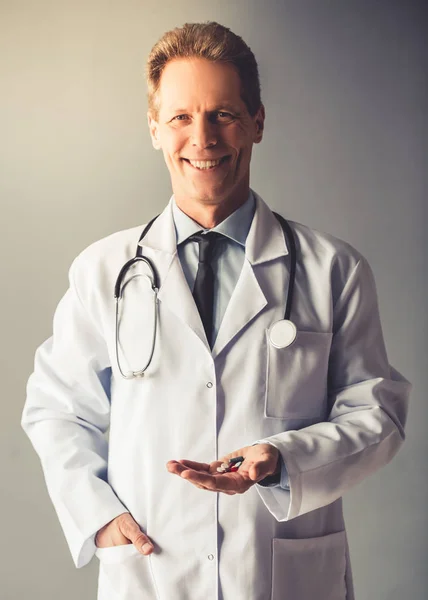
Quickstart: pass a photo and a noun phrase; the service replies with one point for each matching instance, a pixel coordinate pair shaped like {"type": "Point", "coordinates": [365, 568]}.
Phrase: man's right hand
{"type": "Point", "coordinates": [121, 531]}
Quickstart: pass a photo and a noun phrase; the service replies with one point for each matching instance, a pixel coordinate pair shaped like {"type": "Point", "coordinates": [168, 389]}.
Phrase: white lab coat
{"type": "Point", "coordinates": [331, 404]}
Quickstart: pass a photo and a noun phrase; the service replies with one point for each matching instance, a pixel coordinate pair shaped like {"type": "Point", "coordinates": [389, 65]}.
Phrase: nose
{"type": "Point", "coordinates": [204, 133]}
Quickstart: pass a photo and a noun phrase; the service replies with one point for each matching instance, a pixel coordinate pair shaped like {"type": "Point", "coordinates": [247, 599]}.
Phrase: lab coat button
{"type": "Point", "coordinates": [209, 384]}
{"type": "Point", "coordinates": [210, 556]}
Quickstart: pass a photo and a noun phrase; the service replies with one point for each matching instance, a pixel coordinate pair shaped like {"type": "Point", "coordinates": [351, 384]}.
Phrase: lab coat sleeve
{"type": "Point", "coordinates": [66, 416]}
{"type": "Point", "coordinates": [367, 410]}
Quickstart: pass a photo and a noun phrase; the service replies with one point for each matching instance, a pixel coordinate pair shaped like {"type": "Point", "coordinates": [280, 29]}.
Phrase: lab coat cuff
{"type": "Point", "coordinates": [284, 499]}
{"type": "Point", "coordinates": [285, 481]}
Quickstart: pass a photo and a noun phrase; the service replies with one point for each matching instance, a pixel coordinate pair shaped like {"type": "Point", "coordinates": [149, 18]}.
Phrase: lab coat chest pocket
{"type": "Point", "coordinates": [305, 569]}
{"type": "Point", "coordinates": [124, 573]}
{"type": "Point", "coordinates": [296, 377]}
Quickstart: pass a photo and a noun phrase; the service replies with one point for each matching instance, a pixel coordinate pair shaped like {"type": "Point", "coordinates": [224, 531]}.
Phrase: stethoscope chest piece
{"type": "Point", "coordinates": [282, 333]}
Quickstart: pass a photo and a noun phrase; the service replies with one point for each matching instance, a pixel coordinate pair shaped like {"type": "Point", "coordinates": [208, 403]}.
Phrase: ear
{"type": "Point", "coordinates": [259, 121]}
{"type": "Point", "coordinates": [154, 131]}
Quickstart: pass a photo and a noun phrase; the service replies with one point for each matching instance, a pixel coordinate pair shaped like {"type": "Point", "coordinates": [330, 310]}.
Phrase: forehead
{"type": "Point", "coordinates": [187, 82]}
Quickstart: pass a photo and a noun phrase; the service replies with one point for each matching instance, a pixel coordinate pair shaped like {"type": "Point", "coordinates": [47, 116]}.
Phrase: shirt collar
{"type": "Point", "coordinates": [236, 226]}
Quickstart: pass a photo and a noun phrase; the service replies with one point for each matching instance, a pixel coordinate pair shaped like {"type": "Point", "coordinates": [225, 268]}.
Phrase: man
{"type": "Point", "coordinates": [310, 420]}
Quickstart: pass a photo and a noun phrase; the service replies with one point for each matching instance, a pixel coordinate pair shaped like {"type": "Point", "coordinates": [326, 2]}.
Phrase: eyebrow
{"type": "Point", "coordinates": [217, 108]}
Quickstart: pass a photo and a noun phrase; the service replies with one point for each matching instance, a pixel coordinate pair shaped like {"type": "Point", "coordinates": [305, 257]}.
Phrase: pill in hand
{"type": "Point", "coordinates": [235, 460]}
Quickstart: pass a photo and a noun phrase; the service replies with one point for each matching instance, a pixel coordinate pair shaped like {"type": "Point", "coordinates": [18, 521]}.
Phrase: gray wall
{"type": "Point", "coordinates": [344, 85]}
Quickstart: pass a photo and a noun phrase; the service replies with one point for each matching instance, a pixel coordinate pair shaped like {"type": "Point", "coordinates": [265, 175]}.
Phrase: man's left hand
{"type": "Point", "coordinates": [260, 461]}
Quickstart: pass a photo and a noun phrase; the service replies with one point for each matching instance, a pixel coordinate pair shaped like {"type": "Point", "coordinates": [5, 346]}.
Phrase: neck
{"type": "Point", "coordinates": [209, 214]}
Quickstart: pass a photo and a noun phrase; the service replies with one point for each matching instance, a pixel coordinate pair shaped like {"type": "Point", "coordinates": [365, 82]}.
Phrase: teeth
{"type": "Point", "coordinates": [204, 164]}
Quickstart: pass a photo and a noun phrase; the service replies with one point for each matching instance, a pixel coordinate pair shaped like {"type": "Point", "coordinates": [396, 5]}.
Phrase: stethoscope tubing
{"type": "Point", "coordinates": [289, 237]}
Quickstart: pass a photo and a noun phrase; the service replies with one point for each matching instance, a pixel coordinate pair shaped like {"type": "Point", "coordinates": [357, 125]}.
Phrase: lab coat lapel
{"type": "Point", "coordinates": [265, 242]}
{"type": "Point", "coordinates": [160, 246]}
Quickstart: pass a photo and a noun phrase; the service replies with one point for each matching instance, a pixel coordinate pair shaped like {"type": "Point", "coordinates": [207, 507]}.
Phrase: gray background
{"type": "Point", "coordinates": [345, 90]}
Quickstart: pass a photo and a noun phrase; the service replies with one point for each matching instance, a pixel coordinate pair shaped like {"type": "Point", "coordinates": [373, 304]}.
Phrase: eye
{"type": "Point", "coordinates": [224, 115]}
{"type": "Point", "coordinates": [218, 114]}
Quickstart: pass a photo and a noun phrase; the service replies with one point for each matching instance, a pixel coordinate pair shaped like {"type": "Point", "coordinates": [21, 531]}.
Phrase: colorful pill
{"type": "Point", "coordinates": [236, 459]}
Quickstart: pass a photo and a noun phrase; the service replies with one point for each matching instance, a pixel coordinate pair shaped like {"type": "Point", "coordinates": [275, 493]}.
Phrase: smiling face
{"type": "Point", "coordinates": [202, 117]}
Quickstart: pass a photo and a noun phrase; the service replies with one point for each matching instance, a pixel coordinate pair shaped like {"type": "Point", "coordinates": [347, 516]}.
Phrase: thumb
{"type": "Point", "coordinates": [259, 470]}
{"type": "Point", "coordinates": [130, 529]}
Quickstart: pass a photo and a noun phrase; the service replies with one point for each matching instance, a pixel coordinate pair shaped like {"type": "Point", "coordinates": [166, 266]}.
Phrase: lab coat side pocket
{"type": "Point", "coordinates": [115, 554]}
{"type": "Point", "coordinates": [124, 573]}
{"type": "Point", "coordinates": [296, 377]}
{"type": "Point", "coordinates": [303, 569]}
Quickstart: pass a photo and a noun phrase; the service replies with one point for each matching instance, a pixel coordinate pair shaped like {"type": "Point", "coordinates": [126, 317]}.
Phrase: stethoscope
{"type": "Point", "coordinates": [281, 333]}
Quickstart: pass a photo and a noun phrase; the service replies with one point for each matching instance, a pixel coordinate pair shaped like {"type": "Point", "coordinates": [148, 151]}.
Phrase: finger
{"type": "Point", "coordinates": [201, 487]}
{"type": "Point", "coordinates": [191, 464]}
{"type": "Point", "coordinates": [176, 467]}
{"type": "Point", "coordinates": [223, 482]}
{"type": "Point", "coordinates": [258, 471]}
{"type": "Point", "coordinates": [226, 483]}
{"type": "Point", "coordinates": [198, 478]}
{"type": "Point", "coordinates": [130, 528]}
{"type": "Point", "coordinates": [179, 467]}
{"type": "Point", "coordinates": [110, 535]}
{"type": "Point", "coordinates": [234, 454]}
{"type": "Point", "coordinates": [213, 482]}
{"type": "Point", "coordinates": [182, 471]}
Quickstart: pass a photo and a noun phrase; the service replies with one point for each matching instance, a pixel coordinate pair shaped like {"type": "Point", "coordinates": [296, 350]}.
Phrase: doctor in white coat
{"type": "Point", "coordinates": [311, 420]}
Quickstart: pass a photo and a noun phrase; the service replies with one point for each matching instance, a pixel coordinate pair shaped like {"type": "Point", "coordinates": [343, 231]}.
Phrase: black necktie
{"type": "Point", "coordinates": [203, 291]}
